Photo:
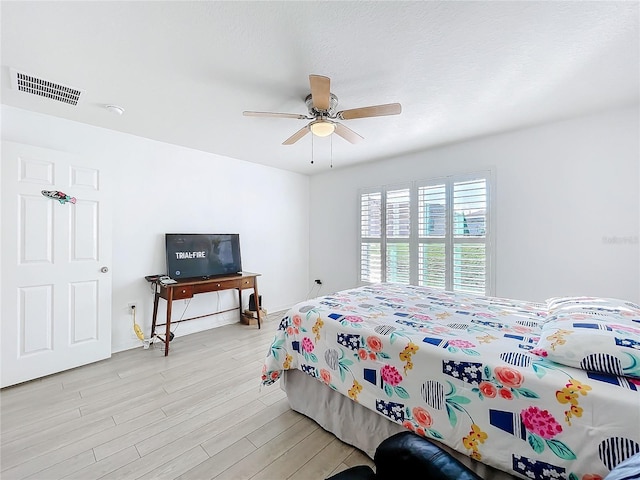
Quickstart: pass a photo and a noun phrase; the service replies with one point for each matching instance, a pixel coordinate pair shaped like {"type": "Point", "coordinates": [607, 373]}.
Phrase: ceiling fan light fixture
{"type": "Point", "coordinates": [322, 128]}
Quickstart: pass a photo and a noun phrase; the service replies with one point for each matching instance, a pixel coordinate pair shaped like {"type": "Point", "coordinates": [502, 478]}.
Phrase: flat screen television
{"type": "Point", "coordinates": [200, 255]}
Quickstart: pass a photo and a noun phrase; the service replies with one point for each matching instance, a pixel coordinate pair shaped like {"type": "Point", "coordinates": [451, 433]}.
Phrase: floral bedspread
{"type": "Point", "coordinates": [458, 369]}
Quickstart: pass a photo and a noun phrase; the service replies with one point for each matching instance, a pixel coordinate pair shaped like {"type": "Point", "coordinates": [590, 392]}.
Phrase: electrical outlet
{"type": "Point", "coordinates": [131, 307]}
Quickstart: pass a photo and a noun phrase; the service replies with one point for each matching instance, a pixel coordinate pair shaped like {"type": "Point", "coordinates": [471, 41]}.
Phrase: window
{"type": "Point", "coordinates": [432, 233]}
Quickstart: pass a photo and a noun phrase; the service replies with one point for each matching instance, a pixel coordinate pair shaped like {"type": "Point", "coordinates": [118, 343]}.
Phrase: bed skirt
{"type": "Point", "coordinates": [354, 424]}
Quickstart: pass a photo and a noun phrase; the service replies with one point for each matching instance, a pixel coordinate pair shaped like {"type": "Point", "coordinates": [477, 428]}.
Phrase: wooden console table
{"type": "Point", "coordinates": [189, 288]}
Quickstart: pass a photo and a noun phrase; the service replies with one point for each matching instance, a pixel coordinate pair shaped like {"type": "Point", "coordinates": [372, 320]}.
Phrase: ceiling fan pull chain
{"type": "Point", "coordinates": [331, 149]}
{"type": "Point", "coordinates": [311, 149]}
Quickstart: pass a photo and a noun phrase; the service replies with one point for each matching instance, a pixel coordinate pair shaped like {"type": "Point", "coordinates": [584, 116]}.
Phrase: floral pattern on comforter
{"type": "Point", "coordinates": [457, 368]}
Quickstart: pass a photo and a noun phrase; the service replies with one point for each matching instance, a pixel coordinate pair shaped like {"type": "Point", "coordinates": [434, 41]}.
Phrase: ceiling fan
{"type": "Point", "coordinates": [321, 104]}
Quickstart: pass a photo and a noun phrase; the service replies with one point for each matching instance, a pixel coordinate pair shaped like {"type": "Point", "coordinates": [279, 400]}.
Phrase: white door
{"type": "Point", "coordinates": [56, 257]}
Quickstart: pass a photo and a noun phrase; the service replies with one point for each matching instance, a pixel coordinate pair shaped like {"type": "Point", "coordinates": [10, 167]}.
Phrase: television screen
{"type": "Point", "coordinates": [198, 255]}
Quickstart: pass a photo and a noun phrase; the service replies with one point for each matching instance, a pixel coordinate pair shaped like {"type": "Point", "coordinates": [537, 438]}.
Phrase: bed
{"type": "Point", "coordinates": [516, 389]}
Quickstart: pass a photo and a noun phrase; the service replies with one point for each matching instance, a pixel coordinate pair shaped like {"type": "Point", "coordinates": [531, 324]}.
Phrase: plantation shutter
{"type": "Point", "coordinates": [398, 232]}
{"type": "Point", "coordinates": [432, 230]}
{"type": "Point", "coordinates": [469, 236]}
{"type": "Point", "coordinates": [371, 237]}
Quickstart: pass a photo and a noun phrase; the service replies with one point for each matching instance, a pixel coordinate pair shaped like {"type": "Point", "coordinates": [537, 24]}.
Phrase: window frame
{"type": "Point", "coordinates": [450, 240]}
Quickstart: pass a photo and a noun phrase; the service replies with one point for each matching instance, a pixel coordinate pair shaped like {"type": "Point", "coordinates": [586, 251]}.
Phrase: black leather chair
{"type": "Point", "coordinates": [405, 453]}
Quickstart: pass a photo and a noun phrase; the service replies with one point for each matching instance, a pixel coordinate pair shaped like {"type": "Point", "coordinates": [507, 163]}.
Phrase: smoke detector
{"type": "Point", "coordinates": [116, 109]}
{"type": "Point", "coordinates": [27, 83]}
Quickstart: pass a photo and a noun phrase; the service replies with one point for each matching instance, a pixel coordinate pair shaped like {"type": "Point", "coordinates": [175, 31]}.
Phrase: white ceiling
{"type": "Point", "coordinates": [185, 71]}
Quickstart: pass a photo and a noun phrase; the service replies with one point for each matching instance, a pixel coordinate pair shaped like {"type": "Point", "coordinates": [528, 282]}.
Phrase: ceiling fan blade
{"type": "Point", "coordinates": [272, 114]}
{"type": "Point", "coordinates": [297, 136]}
{"type": "Point", "coordinates": [348, 134]}
{"type": "Point", "coordinates": [373, 111]}
{"type": "Point", "coordinates": [320, 90]}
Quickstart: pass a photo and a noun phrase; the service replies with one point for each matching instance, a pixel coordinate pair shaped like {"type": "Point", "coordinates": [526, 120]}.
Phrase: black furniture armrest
{"type": "Point", "coordinates": [360, 472]}
{"type": "Point", "coordinates": [404, 454]}
{"type": "Point", "coordinates": [409, 452]}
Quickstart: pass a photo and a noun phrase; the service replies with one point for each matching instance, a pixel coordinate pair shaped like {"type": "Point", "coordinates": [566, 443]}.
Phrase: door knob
{"type": "Point", "coordinates": [104, 269]}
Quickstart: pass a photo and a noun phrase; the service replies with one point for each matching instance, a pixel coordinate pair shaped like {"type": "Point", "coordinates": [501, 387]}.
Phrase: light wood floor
{"type": "Point", "coordinates": [199, 413]}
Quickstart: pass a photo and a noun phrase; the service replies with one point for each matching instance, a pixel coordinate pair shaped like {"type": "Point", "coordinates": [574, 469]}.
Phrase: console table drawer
{"type": "Point", "coordinates": [185, 291]}
{"type": "Point", "coordinates": [214, 285]}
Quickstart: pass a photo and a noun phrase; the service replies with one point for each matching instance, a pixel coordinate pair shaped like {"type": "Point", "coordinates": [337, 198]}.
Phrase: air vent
{"type": "Point", "coordinates": [44, 88]}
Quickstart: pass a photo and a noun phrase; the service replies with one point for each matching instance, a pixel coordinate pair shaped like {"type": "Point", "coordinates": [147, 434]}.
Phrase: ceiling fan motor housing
{"type": "Point", "coordinates": [314, 112]}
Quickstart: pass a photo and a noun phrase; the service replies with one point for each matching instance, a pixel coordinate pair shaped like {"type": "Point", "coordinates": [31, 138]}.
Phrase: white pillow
{"type": "Point", "coordinates": [603, 308]}
{"type": "Point", "coordinates": [590, 343]}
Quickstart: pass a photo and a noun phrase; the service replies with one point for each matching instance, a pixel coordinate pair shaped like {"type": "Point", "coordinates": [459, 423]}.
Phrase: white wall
{"type": "Point", "coordinates": [567, 207]}
{"type": "Point", "coordinates": [160, 188]}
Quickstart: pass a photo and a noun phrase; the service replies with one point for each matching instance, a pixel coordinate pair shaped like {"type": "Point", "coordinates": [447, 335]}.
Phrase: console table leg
{"type": "Point", "coordinates": [156, 297]}
{"type": "Point", "coordinates": [257, 297]}
{"type": "Point", "coordinates": [167, 335]}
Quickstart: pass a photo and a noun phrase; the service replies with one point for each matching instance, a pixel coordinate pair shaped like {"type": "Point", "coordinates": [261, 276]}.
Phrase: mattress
{"type": "Point", "coordinates": [473, 373]}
